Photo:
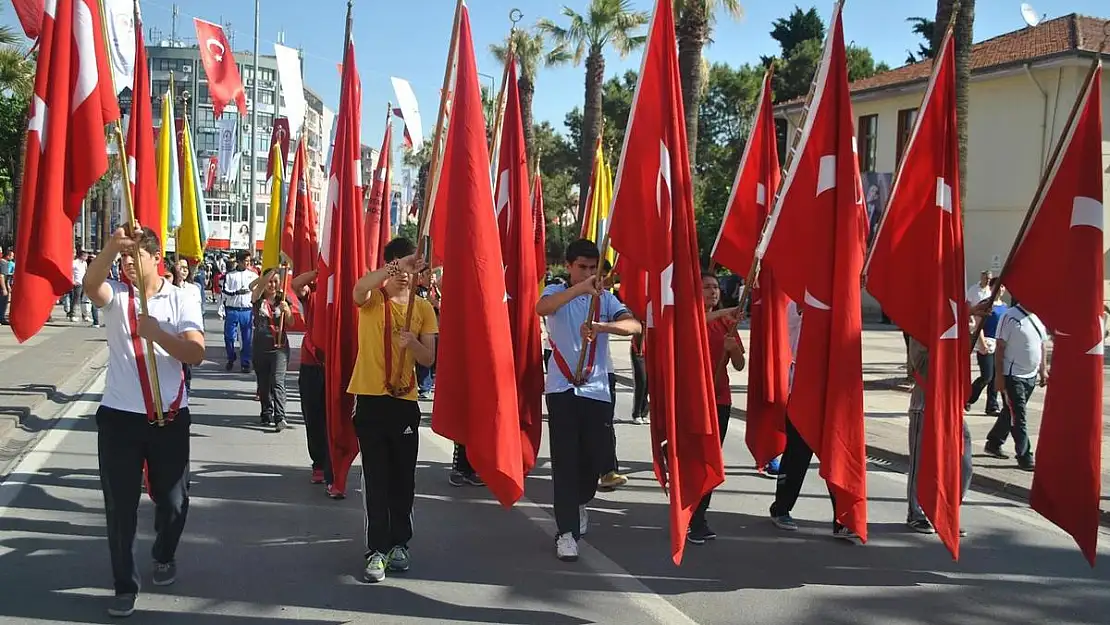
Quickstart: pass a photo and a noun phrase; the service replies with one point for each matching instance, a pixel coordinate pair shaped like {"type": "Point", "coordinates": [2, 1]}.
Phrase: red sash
{"type": "Point", "coordinates": [140, 362]}
{"type": "Point", "coordinates": [561, 362]}
{"type": "Point", "coordinates": [395, 391]}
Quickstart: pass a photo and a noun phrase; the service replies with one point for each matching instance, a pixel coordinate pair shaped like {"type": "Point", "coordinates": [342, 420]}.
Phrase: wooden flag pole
{"type": "Point", "coordinates": [595, 302]}
{"type": "Point", "coordinates": [1038, 196]}
{"type": "Point", "coordinates": [435, 166]}
{"type": "Point", "coordinates": [133, 226]}
{"type": "Point", "coordinates": [499, 113]}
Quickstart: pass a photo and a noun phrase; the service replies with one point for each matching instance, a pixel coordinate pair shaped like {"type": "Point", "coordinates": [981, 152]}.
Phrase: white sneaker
{"type": "Point", "coordinates": [583, 520]}
{"type": "Point", "coordinates": [566, 548]}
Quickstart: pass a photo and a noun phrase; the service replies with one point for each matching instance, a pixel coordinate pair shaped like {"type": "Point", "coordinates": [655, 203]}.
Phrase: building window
{"type": "Point", "coordinates": [266, 74]}
{"type": "Point", "coordinates": [266, 96]}
{"type": "Point", "coordinates": [906, 119]}
{"type": "Point", "coordinates": [867, 131]}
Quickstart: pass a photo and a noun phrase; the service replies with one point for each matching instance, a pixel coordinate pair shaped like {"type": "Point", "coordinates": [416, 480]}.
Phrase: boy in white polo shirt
{"type": "Point", "coordinates": [128, 434]}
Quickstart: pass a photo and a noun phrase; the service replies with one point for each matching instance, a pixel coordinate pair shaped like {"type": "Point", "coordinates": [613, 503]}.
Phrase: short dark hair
{"type": "Point", "coordinates": [705, 273]}
{"type": "Point", "coordinates": [582, 248]}
{"type": "Point", "coordinates": [398, 248]}
{"type": "Point", "coordinates": [242, 256]}
{"type": "Point", "coordinates": [148, 241]}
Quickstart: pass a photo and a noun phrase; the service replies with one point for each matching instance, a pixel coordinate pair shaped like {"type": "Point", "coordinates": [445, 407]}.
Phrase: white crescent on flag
{"type": "Point", "coordinates": [218, 55]}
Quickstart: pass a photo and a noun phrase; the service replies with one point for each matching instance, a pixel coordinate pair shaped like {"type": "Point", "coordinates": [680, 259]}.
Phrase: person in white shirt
{"type": "Point", "coordinates": [128, 434]}
{"type": "Point", "coordinates": [75, 299]}
{"type": "Point", "coordinates": [237, 308]}
{"type": "Point", "coordinates": [980, 291]}
{"type": "Point", "coordinates": [181, 280]}
{"type": "Point", "coordinates": [1019, 367]}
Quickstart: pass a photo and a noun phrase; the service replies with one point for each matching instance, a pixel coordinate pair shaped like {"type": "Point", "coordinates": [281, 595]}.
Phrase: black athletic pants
{"type": "Point", "coordinates": [389, 437]}
{"type": "Point", "coordinates": [124, 441]}
{"type": "Point", "coordinates": [310, 381]}
{"type": "Point", "coordinates": [724, 413]}
{"type": "Point", "coordinates": [792, 472]}
{"type": "Point", "coordinates": [580, 450]}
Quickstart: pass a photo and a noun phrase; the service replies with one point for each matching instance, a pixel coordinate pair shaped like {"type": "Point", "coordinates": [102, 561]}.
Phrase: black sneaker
{"type": "Point", "coordinates": [695, 537]}
{"type": "Point", "coordinates": [1026, 463]}
{"type": "Point", "coordinates": [455, 478]}
{"type": "Point", "coordinates": [473, 479]}
{"type": "Point", "coordinates": [995, 451]}
{"type": "Point", "coordinates": [245, 369]}
{"type": "Point", "coordinates": [708, 533]}
{"type": "Point", "coordinates": [122, 606]}
{"type": "Point", "coordinates": [230, 365]}
{"type": "Point", "coordinates": [921, 526]}
{"type": "Point", "coordinates": [165, 574]}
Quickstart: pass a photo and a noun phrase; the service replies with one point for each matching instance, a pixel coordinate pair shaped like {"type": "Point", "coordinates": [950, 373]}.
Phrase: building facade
{"type": "Point", "coordinates": [1023, 87]}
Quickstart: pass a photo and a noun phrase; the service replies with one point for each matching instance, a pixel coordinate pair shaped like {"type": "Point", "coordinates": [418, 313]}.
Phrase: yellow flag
{"type": "Point", "coordinates": [271, 246]}
{"type": "Point", "coordinates": [602, 199]}
{"type": "Point", "coordinates": [169, 182]}
{"type": "Point", "coordinates": [189, 236]}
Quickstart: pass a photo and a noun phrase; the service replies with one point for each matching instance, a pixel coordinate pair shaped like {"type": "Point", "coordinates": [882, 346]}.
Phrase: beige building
{"type": "Point", "coordinates": [1024, 84]}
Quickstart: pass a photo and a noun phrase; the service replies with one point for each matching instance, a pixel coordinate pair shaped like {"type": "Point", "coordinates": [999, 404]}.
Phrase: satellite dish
{"type": "Point", "coordinates": [1029, 14]}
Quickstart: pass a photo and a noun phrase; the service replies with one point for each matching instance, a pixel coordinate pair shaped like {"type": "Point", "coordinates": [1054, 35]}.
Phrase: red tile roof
{"type": "Point", "coordinates": [1070, 33]}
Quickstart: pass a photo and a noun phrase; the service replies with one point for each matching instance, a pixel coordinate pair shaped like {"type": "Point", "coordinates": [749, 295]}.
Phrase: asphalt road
{"type": "Point", "coordinates": [264, 546]}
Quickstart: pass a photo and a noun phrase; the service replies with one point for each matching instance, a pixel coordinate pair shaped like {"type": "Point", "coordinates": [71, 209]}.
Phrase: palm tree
{"type": "Point", "coordinates": [605, 22]}
{"type": "Point", "coordinates": [924, 28]}
{"type": "Point", "coordinates": [963, 35]}
{"type": "Point", "coordinates": [530, 49]}
{"type": "Point", "coordinates": [694, 25]}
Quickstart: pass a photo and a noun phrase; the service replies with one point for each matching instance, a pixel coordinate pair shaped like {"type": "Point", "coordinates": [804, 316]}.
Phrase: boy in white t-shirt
{"type": "Point", "coordinates": [127, 433]}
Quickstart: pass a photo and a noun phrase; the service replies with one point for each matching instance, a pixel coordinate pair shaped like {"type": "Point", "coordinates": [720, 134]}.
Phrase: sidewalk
{"type": "Point", "coordinates": [39, 378]}
{"type": "Point", "coordinates": [886, 397]}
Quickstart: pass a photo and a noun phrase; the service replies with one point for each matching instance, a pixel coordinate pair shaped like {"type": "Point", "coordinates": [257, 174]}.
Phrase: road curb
{"type": "Point", "coordinates": [899, 462]}
{"type": "Point", "coordinates": [46, 410]}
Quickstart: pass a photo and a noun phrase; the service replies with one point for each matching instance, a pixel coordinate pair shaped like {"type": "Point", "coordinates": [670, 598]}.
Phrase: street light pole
{"type": "Point", "coordinates": [252, 210]}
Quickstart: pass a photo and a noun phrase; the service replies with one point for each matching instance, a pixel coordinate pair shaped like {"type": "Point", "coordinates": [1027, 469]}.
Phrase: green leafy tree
{"type": "Point", "coordinates": [926, 29]}
{"type": "Point", "coordinates": [694, 21]}
{"type": "Point", "coordinates": [605, 23]}
{"type": "Point", "coordinates": [532, 52]}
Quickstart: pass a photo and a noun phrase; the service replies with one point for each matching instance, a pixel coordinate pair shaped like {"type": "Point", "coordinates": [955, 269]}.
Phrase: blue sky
{"type": "Point", "coordinates": [408, 38]}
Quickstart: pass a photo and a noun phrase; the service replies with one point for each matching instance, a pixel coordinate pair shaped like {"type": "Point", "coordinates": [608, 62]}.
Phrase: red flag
{"type": "Point", "coordinates": [73, 100]}
{"type": "Point", "coordinates": [342, 263]}
{"type": "Point", "coordinates": [515, 213]}
{"type": "Point", "coordinates": [653, 230]}
{"type": "Point", "coordinates": [814, 244]}
{"type": "Point", "coordinates": [476, 396]}
{"type": "Point", "coordinates": [540, 219]}
{"type": "Point", "coordinates": [757, 180]}
{"type": "Point", "coordinates": [377, 213]}
{"type": "Point", "coordinates": [224, 83]}
{"type": "Point", "coordinates": [1065, 238]}
{"type": "Point", "coordinates": [279, 135]}
{"type": "Point", "coordinates": [213, 168]}
{"type": "Point", "coordinates": [916, 272]}
{"type": "Point", "coordinates": [141, 154]}
{"type": "Point", "coordinates": [30, 14]}
{"type": "Point", "coordinates": [292, 202]}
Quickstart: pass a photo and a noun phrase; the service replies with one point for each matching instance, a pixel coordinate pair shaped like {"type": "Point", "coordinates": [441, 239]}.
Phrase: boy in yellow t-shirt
{"type": "Point", "coordinates": [387, 415]}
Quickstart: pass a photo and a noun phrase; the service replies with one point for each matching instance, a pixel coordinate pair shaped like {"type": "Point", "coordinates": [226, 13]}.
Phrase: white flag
{"type": "Point", "coordinates": [292, 87]}
{"type": "Point", "coordinates": [406, 101]}
{"type": "Point", "coordinates": [121, 41]}
{"type": "Point", "coordinates": [227, 147]}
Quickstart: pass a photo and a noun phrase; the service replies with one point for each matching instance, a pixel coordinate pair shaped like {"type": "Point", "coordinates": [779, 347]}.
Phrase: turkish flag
{"type": "Point", "coordinates": [916, 272]}
{"type": "Point", "coordinates": [652, 228]}
{"type": "Point", "coordinates": [476, 383]}
{"type": "Point", "coordinates": [30, 14]}
{"type": "Point", "coordinates": [753, 191]}
{"type": "Point", "coordinates": [814, 245]}
{"type": "Point", "coordinates": [515, 214]}
{"type": "Point", "coordinates": [298, 236]}
{"type": "Point", "coordinates": [210, 176]}
{"type": "Point", "coordinates": [1065, 238]}
{"type": "Point", "coordinates": [73, 100]}
{"type": "Point", "coordinates": [342, 262]}
{"type": "Point", "coordinates": [141, 164]}
{"type": "Point", "coordinates": [278, 136]}
{"type": "Point", "coordinates": [224, 83]}
{"type": "Point", "coordinates": [540, 219]}
{"type": "Point", "coordinates": [377, 211]}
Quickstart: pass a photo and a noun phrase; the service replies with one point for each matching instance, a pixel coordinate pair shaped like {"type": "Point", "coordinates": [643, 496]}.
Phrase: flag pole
{"type": "Point", "coordinates": [435, 166]}
{"type": "Point", "coordinates": [499, 113]}
{"type": "Point", "coordinates": [1038, 196]}
{"type": "Point", "coordinates": [129, 203]}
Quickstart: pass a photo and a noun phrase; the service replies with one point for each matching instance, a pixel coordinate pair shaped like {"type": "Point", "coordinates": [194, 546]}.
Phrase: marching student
{"type": "Point", "coordinates": [237, 308]}
{"type": "Point", "coordinates": [725, 348]}
{"type": "Point", "coordinates": [181, 280]}
{"type": "Point", "coordinates": [387, 415]}
{"type": "Point", "coordinates": [126, 435]}
{"type": "Point", "coordinates": [310, 381]}
{"type": "Point", "coordinates": [580, 412]}
{"type": "Point", "coordinates": [796, 458]}
{"type": "Point", "coordinates": [270, 347]}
